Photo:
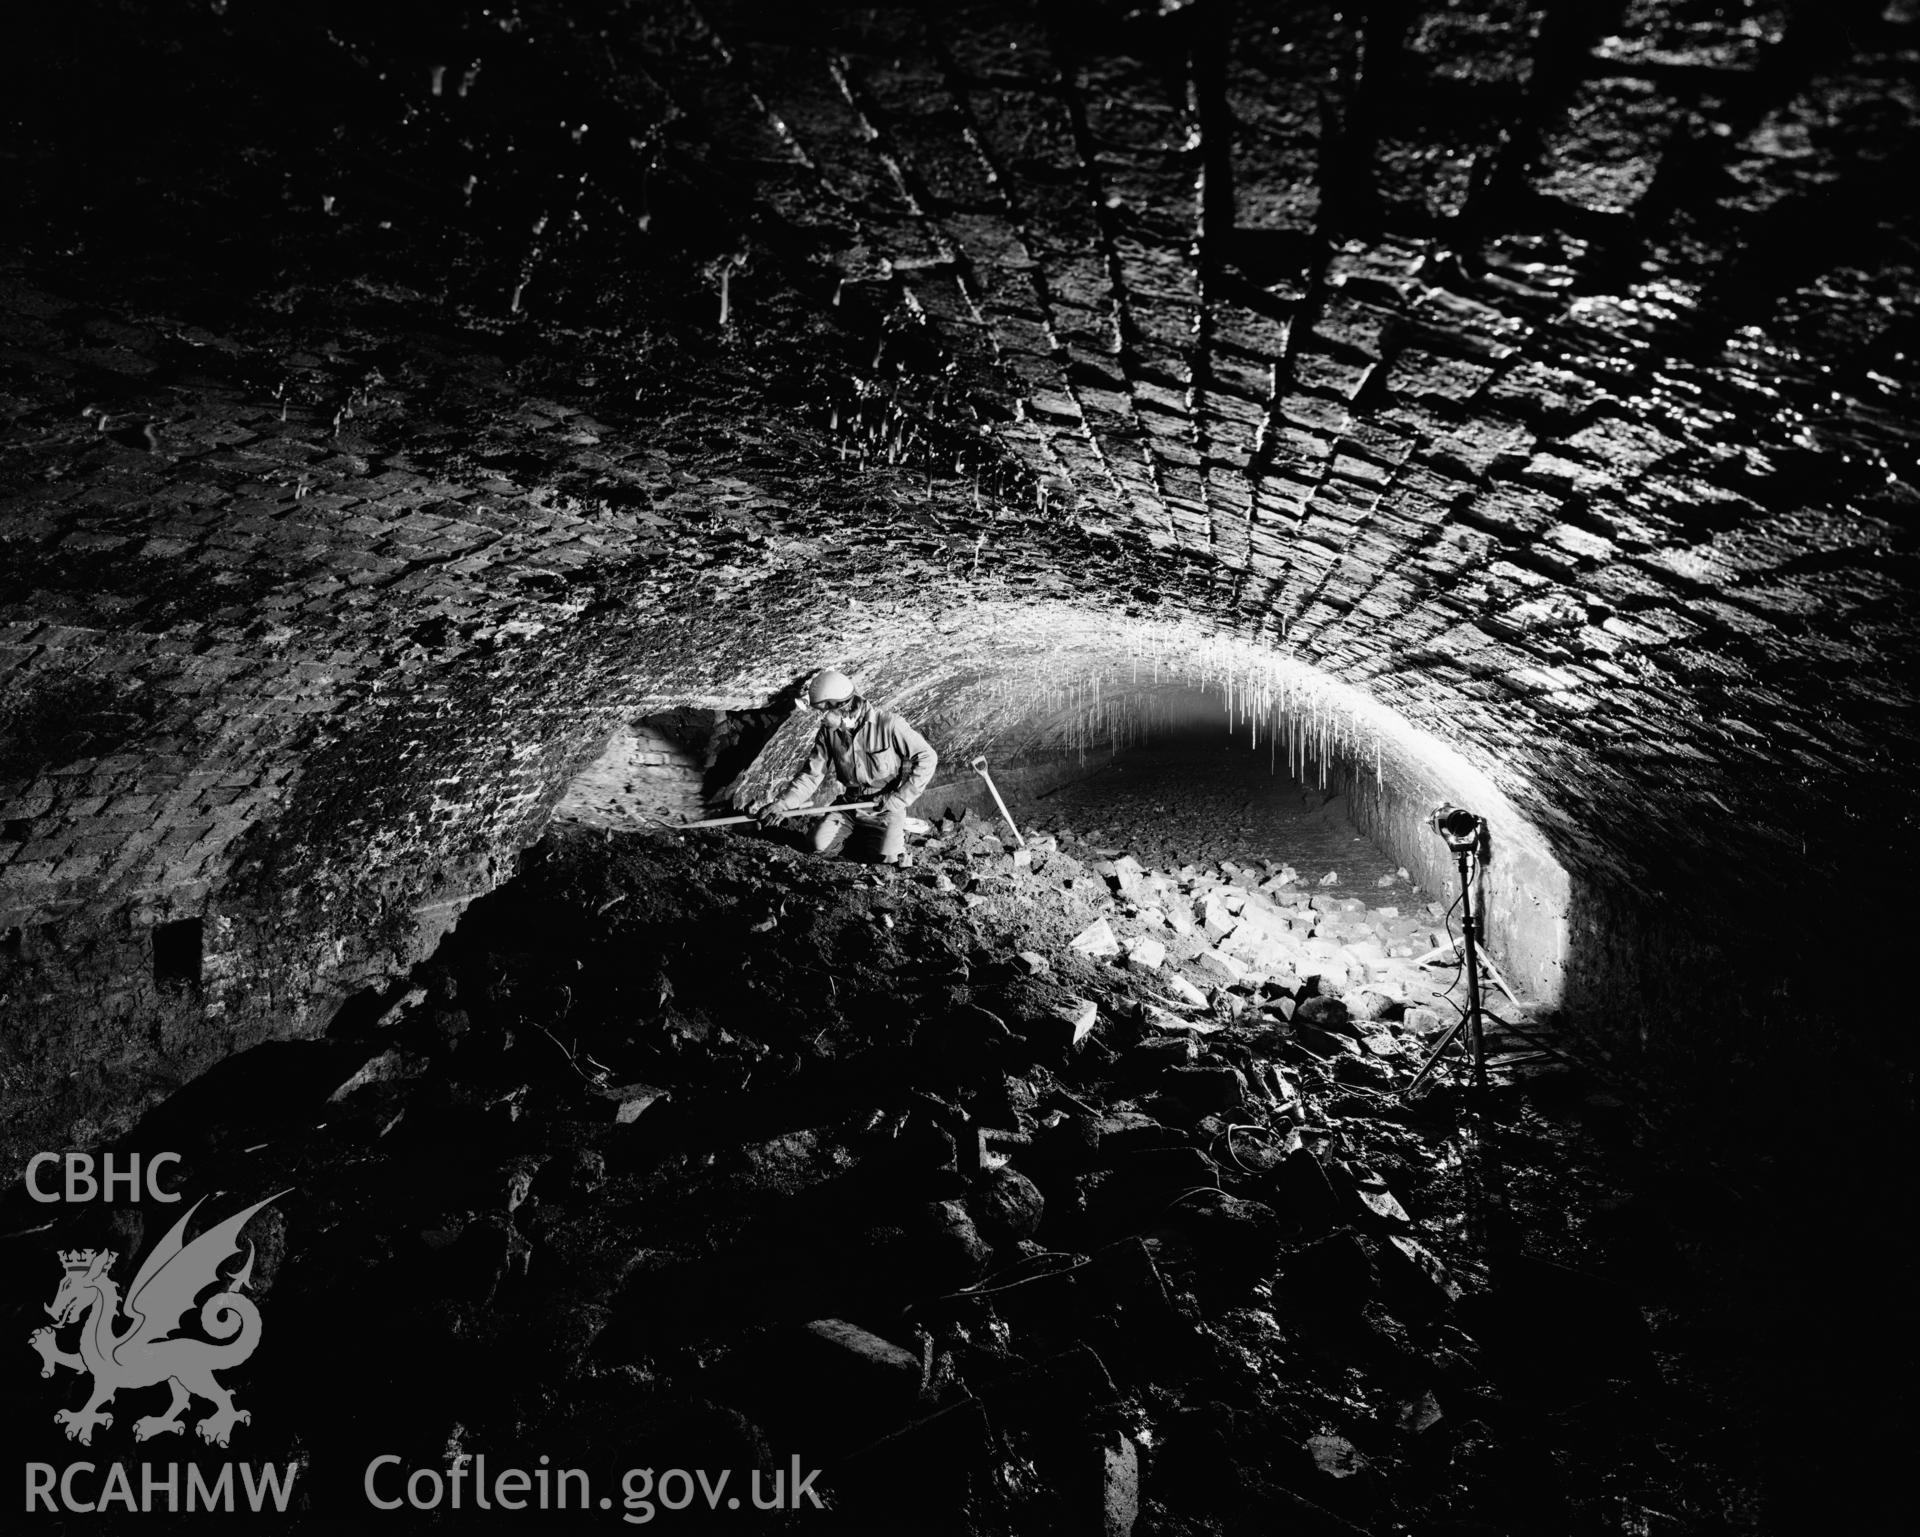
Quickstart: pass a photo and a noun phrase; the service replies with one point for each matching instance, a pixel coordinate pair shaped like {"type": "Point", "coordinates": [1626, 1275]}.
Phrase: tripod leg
{"type": "Point", "coordinates": [1433, 1057]}
{"type": "Point", "coordinates": [1499, 981]}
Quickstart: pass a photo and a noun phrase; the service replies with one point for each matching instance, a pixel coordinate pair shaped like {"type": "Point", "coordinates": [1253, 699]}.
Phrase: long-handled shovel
{"type": "Point", "coordinates": [803, 811]}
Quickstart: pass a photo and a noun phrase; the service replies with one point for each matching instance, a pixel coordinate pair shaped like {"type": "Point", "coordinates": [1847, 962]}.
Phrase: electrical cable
{"type": "Point", "coordinates": [1446, 922]}
{"type": "Point", "coordinates": [982, 1289]}
{"type": "Point", "coordinates": [1192, 1190]}
{"type": "Point", "coordinates": [1265, 1131]}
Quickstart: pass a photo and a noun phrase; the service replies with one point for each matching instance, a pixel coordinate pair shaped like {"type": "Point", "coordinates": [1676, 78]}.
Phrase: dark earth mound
{"type": "Point", "coordinates": [696, 1151]}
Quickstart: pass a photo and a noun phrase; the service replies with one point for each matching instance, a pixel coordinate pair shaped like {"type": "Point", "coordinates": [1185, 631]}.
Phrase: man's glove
{"type": "Point", "coordinates": [769, 814]}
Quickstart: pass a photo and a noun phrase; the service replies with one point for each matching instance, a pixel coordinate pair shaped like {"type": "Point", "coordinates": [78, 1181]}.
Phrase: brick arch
{"type": "Point", "coordinates": [370, 474]}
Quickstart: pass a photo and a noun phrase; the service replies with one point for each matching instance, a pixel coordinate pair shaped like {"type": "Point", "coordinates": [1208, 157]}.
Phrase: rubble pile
{"type": "Point", "coordinates": [1028, 1189]}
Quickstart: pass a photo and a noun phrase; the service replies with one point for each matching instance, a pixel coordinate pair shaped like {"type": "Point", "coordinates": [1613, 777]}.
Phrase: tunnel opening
{"type": "Point", "coordinates": [1058, 686]}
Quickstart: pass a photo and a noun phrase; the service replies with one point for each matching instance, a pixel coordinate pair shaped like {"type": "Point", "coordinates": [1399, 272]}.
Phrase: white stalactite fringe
{"type": "Point", "coordinates": [1046, 680]}
{"type": "Point", "coordinates": [1274, 696]}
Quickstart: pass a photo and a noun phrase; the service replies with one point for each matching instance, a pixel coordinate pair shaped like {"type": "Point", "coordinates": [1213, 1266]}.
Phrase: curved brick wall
{"type": "Point", "coordinates": [377, 448]}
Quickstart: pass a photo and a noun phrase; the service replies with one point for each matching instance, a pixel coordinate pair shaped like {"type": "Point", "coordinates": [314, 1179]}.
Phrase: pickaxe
{"type": "Point", "coordinates": [979, 766]}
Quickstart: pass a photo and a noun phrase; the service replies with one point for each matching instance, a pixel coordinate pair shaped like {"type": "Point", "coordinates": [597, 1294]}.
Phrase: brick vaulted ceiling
{"type": "Point", "coordinates": [1545, 371]}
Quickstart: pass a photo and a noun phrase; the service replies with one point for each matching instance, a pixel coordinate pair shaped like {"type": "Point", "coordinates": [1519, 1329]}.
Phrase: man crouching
{"type": "Point", "coordinates": [876, 755]}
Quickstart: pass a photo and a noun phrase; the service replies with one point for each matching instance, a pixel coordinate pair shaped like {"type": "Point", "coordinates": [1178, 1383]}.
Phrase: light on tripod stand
{"type": "Point", "coordinates": [1465, 834]}
{"type": "Point", "coordinates": [1459, 826]}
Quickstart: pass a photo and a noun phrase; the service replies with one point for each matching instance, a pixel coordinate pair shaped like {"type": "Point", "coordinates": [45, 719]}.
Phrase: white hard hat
{"type": "Point", "coordinates": [829, 685]}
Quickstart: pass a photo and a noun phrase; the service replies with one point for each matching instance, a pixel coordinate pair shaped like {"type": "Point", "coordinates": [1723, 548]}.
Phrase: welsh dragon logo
{"type": "Point", "coordinates": [149, 1350]}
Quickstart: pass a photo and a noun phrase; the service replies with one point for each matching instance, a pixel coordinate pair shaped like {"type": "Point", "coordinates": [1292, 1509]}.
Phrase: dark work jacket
{"type": "Point", "coordinates": [883, 758]}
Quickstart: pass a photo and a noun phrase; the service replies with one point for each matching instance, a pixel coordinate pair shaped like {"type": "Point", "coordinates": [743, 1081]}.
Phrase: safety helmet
{"type": "Point", "coordinates": [829, 685]}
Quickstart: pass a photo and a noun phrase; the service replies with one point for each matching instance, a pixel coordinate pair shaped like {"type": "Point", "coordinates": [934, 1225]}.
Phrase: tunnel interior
{"type": "Point", "coordinates": [694, 1144]}
{"type": "Point", "coordinates": [440, 441]}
